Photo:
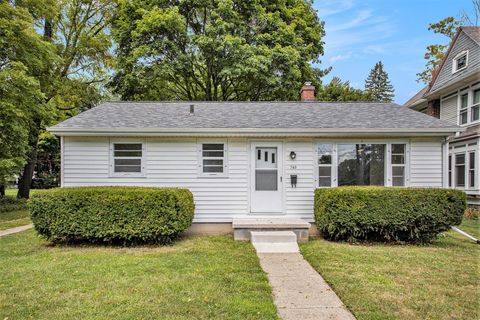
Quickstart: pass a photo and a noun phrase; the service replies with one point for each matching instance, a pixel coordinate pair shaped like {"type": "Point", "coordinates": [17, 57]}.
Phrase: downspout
{"type": "Point", "coordinates": [463, 233]}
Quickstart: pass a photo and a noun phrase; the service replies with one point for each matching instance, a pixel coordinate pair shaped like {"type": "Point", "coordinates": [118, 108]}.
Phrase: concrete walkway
{"type": "Point", "coordinates": [299, 291]}
{"type": "Point", "coordinates": [6, 232]}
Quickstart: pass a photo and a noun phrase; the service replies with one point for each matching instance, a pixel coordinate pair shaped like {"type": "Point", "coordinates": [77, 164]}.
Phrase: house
{"type": "Point", "coordinates": [453, 95]}
{"type": "Point", "coordinates": [246, 160]}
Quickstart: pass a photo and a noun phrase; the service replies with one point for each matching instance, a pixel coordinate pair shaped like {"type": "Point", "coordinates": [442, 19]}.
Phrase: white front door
{"type": "Point", "coordinates": [266, 177]}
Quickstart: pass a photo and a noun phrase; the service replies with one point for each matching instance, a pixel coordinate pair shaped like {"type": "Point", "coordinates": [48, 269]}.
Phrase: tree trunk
{"type": "Point", "coordinates": [25, 181]}
{"type": "Point", "coordinates": [2, 190]}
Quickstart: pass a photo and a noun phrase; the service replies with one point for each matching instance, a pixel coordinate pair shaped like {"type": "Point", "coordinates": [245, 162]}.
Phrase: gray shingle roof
{"type": "Point", "coordinates": [473, 32]}
{"type": "Point", "coordinates": [150, 116]}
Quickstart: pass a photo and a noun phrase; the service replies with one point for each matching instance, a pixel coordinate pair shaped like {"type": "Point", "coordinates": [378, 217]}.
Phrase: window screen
{"type": "Point", "coordinates": [325, 165]}
{"type": "Point", "coordinates": [460, 170]}
{"type": "Point", "coordinates": [213, 157]}
{"type": "Point", "coordinates": [127, 157]}
{"type": "Point", "coordinates": [398, 165]}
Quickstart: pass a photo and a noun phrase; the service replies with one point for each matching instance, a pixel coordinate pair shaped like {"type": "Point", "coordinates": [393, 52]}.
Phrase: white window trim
{"type": "Point", "coordinates": [471, 105]}
{"type": "Point", "coordinates": [112, 172]}
{"type": "Point", "coordinates": [468, 169]}
{"type": "Point", "coordinates": [388, 159]}
{"type": "Point", "coordinates": [454, 62]}
{"type": "Point", "coordinates": [200, 172]}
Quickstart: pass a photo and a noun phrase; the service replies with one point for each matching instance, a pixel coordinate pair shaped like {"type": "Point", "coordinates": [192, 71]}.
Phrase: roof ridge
{"type": "Point", "coordinates": [243, 101]}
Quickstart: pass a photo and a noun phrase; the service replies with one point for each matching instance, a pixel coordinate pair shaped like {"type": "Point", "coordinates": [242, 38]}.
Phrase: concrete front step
{"type": "Point", "coordinates": [273, 236]}
{"type": "Point", "coordinates": [242, 228]}
{"type": "Point", "coordinates": [274, 241]}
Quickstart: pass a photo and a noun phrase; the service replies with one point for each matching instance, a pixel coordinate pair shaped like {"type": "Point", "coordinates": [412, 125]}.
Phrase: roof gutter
{"type": "Point", "coordinates": [253, 131]}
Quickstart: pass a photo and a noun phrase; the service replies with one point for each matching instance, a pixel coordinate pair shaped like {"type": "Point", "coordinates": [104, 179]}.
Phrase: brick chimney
{"type": "Point", "coordinates": [307, 93]}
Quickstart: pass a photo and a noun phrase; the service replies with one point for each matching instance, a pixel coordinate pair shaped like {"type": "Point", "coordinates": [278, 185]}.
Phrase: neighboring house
{"type": "Point", "coordinates": [253, 159]}
{"type": "Point", "coordinates": [453, 95]}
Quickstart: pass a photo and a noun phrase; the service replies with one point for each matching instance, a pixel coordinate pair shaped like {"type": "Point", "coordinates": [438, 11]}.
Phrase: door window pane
{"type": "Point", "coordinates": [325, 165]}
{"type": "Point", "coordinates": [266, 180]}
{"type": "Point", "coordinates": [361, 164]}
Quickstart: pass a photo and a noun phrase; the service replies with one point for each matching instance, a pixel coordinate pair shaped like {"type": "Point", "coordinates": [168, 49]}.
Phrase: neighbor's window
{"type": "Point", "coordinates": [471, 169]}
{"type": "Point", "coordinates": [398, 165]}
{"type": "Point", "coordinates": [127, 158]}
{"type": "Point", "coordinates": [213, 158]}
{"type": "Point", "coordinates": [325, 165]}
{"type": "Point", "coordinates": [475, 110]}
{"type": "Point", "coordinates": [449, 170]}
{"type": "Point", "coordinates": [464, 108]}
{"type": "Point", "coordinates": [460, 170]}
{"type": "Point", "coordinates": [361, 164]}
{"type": "Point", "coordinates": [460, 62]}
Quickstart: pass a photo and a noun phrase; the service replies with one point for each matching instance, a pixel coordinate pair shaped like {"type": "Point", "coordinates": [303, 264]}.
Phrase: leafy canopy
{"type": "Point", "coordinates": [216, 49]}
{"type": "Point", "coordinates": [378, 85]}
{"type": "Point", "coordinates": [338, 90]}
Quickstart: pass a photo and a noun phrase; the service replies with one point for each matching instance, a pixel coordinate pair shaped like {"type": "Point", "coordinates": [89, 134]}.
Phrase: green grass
{"type": "Point", "coordinates": [14, 219]}
{"type": "Point", "coordinates": [196, 278]}
{"type": "Point", "coordinates": [438, 281]}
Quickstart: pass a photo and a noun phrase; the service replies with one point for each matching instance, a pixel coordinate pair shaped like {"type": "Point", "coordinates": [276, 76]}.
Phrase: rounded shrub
{"type": "Point", "coordinates": [404, 215]}
{"type": "Point", "coordinates": [115, 215]}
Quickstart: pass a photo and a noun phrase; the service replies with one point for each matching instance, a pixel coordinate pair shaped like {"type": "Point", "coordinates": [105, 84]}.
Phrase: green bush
{"type": "Point", "coordinates": [8, 203]}
{"type": "Point", "coordinates": [414, 215]}
{"type": "Point", "coordinates": [114, 215]}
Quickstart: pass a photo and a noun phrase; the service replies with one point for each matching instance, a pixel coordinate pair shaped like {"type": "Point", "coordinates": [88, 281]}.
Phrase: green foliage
{"type": "Point", "coordinates": [337, 90]}
{"type": "Point", "coordinates": [378, 85]}
{"type": "Point", "coordinates": [8, 204]}
{"type": "Point", "coordinates": [216, 50]}
{"type": "Point", "coordinates": [436, 52]}
{"type": "Point", "coordinates": [415, 215]}
{"type": "Point", "coordinates": [117, 215]}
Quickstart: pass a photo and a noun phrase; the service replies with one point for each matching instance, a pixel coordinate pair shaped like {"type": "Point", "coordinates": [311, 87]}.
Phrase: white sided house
{"type": "Point", "coordinates": [245, 160]}
{"type": "Point", "coordinates": [453, 95]}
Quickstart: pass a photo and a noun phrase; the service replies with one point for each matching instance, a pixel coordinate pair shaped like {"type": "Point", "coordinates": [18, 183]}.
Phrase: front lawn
{"type": "Point", "coordinates": [438, 281]}
{"type": "Point", "coordinates": [195, 278]}
{"type": "Point", "coordinates": [13, 219]}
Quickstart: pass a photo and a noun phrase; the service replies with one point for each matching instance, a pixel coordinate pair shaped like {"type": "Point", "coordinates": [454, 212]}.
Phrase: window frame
{"type": "Point", "coordinates": [472, 167]}
{"type": "Point", "coordinates": [456, 58]}
{"type": "Point", "coordinates": [388, 163]}
{"type": "Point", "coordinates": [200, 159]}
{"type": "Point", "coordinates": [474, 105]}
{"type": "Point", "coordinates": [463, 110]}
{"type": "Point", "coordinates": [333, 163]}
{"type": "Point", "coordinates": [143, 168]}
{"type": "Point", "coordinates": [455, 179]}
{"type": "Point", "coordinates": [399, 165]}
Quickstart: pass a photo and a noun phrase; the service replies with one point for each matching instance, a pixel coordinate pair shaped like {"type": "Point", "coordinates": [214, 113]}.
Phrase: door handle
{"type": "Point", "coordinates": [281, 179]}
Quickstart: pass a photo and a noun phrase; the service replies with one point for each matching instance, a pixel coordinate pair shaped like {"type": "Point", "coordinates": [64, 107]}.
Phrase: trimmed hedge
{"type": "Point", "coordinates": [413, 215]}
{"type": "Point", "coordinates": [114, 215]}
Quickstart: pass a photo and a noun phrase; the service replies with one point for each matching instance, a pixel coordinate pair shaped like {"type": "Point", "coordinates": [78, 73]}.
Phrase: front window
{"type": "Point", "coordinates": [460, 62]}
{"type": "Point", "coordinates": [471, 169]}
{"type": "Point", "coordinates": [475, 113]}
{"type": "Point", "coordinates": [361, 164]}
{"type": "Point", "coordinates": [398, 165]}
{"type": "Point", "coordinates": [464, 108]}
{"type": "Point", "coordinates": [127, 158]}
{"type": "Point", "coordinates": [213, 158]}
{"type": "Point", "coordinates": [460, 170]}
{"type": "Point", "coordinates": [449, 170]}
{"type": "Point", "coordinates": [325, 153]}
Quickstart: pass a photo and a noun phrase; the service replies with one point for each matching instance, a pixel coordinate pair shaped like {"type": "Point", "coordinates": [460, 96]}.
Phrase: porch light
{"type": "Point", "coordinates": [293, 155]}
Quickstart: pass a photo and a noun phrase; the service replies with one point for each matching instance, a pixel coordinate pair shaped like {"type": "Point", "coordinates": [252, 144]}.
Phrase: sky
{"type": "Point", "coordinates": [360, 33]}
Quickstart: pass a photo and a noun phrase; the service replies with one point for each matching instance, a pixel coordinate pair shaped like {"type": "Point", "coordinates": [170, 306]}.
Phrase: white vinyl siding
{"type": "Point", "coordinates": [174, 163]}
{"type": "Point", "coordinates": [426, 163]}
{"type": "Point", "coordinates": [449, 109]}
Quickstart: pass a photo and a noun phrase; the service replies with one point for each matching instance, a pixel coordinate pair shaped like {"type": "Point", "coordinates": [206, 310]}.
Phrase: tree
{"type": "Point", "coordinates": [23, 56]}
{"type": "Point", "coordinates": [436, 52]}
{"type": "Point", "coordinates": [448, 27]}
{"type": "Point", "coordinates": [77, 29]}
{"type": "Point", "coordinates": [337, 90]}
{"type": "Point", "coordinates": [378, 85]}
{"type": "Point", "coordinates": [216, 49]}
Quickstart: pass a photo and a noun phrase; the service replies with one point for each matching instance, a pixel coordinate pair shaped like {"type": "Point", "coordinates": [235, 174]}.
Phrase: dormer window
{"type": "Point", "coordinates": [460, 61]}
